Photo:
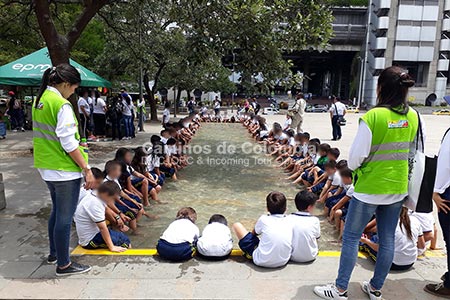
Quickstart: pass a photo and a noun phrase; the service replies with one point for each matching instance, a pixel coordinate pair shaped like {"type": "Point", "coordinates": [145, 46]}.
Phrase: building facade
{"type": "Point", "coordinates": [414, 34]}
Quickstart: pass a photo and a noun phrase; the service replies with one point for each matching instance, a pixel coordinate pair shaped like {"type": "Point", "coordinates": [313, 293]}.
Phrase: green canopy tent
{"type": "Point", "coordinates": [28, 70]}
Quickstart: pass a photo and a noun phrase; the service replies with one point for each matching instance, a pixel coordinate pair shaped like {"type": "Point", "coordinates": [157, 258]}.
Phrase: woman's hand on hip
{"type": "Point", "coordinates": [442, 204]}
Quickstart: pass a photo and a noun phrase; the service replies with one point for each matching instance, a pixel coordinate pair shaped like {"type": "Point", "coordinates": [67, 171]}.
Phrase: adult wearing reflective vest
{"type": "Point", "coordinates": [379, 157]}
{"type": "Point", "coordinates": [60, 159]}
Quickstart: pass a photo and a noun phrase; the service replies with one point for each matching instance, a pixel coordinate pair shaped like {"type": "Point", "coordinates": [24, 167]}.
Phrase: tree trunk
{"type": "Point", "coordinates": [151, 98]}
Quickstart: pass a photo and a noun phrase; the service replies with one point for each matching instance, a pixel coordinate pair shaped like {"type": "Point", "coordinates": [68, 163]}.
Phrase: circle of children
{"type": "Point", "coordinates": [128, 183]}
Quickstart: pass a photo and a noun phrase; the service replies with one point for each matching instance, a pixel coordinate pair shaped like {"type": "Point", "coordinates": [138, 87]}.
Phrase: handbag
{"type": "Point", "coordinates": [340, 120]}
{"type": "Point", "coordinates": [422, 174]}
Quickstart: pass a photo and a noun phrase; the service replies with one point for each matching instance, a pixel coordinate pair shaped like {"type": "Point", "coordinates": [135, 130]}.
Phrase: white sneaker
{"type": "Point", "coordinates": [373, 294]}
{"type": "Point", "coordinates": [330, 291]}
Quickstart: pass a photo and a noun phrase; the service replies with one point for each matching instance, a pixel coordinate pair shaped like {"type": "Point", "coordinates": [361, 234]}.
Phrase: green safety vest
{"type": "Point", "coordinates": [48, 152]}
{"type": "Point", "coordinates": [385, 171]}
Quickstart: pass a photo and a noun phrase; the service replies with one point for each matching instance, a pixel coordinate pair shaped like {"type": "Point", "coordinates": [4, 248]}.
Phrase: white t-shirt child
{"type": "Point", "coordinates": [305, 232]}
{"type": "Point", "coordinates": [89, 212]}
{"type": "Point", "coordinates": [181, 231]}
{"type": "Point", "coordinates": [275, 246]}
{"type": "Point", "coordinates": [406, 251]}
{"type": "Point", "coordinates": [215, 241]}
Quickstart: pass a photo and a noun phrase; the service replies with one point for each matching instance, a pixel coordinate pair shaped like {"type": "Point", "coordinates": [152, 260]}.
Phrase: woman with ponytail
{"type": "Point", "coordinates": [60, 160]}
{"type": "Point", "coordinates": [379, 159]}
{"type": "Point", "coordinates": [99, 115]}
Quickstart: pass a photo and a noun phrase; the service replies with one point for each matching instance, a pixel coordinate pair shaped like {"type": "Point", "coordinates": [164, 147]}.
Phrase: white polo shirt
{"type": "Point", "coordinates": [275, 246]}
{"type": "Point", "coordinates": [215, 241]}
{"type": "Point", "coordinates": [305, 232]}
{"type": "Point", "coordinates": [181, 231]}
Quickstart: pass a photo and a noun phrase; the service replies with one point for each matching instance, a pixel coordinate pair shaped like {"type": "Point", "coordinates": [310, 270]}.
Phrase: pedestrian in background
{"type": "Point", "coordinates": [99, 115]}
{"type": "Point", "coordinates": [15, 112]}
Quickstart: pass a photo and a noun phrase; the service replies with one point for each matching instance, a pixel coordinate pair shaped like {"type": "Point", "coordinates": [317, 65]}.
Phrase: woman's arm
{"type": "Point", "coordinates": [360, 148]}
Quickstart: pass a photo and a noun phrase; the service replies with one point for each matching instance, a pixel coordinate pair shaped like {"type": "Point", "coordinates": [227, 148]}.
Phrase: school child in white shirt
{"type": "Point", "coordinates": [92, 231]}
{"type": "Point", "coordinates": [99, 176]}
{"type": "Point", "coordinates": [269, 245]}
{"type": "Point", "coordinates": [166, 114]}
{"type": "Point", "coordinates": [406, 243]}
{"type": "Point", "coordinates": [177, 243]}
{"type": "Point", "coordinates": [215, 242]}
{"type": "Point", "coordinates": [338, 212]}
{"type": "Point", "coordinates": [429, 229]}
{"type": "Point", "coordinates": [305, 228]}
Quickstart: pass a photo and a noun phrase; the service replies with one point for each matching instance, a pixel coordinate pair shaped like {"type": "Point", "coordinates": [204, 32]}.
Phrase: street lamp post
{"type": "Point", "coordinates": [232, 93]}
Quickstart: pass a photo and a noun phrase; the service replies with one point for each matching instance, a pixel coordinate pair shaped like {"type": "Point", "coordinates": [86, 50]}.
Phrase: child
{"type": "Point", "coordinates": [124, 202]}
{"type": "Point", "coordinates": [288, 122]}
{"type": "Point", "coordinates": [306, 229]}
{"type": "Point", "coordinates": [338, 212]}
{"type": "Point", "coordinates": [216, 242]}
{"type": "Point", "coordinates": [177, 243]}
{"type": "Point", "coordinates": [90, 221]}
{"type": "Point", "coordinates": [98, 176]}
{"type": "Point", "coordinates": [273, 247]}
{"type": "Point", "coordinates": [406, 243]}
{"type": "Point", "coordinates": [428, 228]}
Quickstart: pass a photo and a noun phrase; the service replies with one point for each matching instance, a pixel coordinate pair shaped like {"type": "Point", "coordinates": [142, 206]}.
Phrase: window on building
{"type": "Point", "coordinates": [417, 70]}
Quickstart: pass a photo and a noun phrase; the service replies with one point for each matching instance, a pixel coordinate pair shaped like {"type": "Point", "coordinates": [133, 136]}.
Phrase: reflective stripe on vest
{"type": "Point", "coordinates": [48, 152]}
{"type": "Point", "coordinates": [385, 170]}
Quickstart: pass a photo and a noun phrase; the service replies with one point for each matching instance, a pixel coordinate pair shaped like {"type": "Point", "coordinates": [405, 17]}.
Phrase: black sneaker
{"type": "Point", "coordinates": [51, 259]}
{"type": "Point", "coordinates": [73, 269]}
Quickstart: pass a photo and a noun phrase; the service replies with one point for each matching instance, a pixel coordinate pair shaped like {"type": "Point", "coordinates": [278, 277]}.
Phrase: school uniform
{"type": "Point", "coordinates": [153, 161]}
{"type": "Point", "coordinates": [125, 209]}
{"type": "Point", "coordinates": [177, 243]}
{"type": "Point", "coordinates": [215, 241]}
{"type": "Point", "coordinates": [89, 212]}
{"type": "Point", "coordinates": [426, 221]}
{"type": "Point", "coordinates": [349, 194]}
{"type": "Point", "coordinates": [274, 246]}
{"type": "Point", "coordinates": [305, 232]}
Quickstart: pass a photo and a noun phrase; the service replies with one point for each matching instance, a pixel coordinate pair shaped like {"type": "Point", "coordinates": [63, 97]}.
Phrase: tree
{"type": "Point", "coordinates": [59, 44]}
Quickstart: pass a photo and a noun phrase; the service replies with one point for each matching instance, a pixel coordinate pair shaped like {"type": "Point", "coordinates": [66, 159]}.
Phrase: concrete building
{"type": "Point", "coordinates": [414, 34]}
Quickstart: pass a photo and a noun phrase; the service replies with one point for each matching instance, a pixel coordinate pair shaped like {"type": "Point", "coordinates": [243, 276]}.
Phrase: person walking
{"type": "Point", "coordinates": [441, 197]}
{"type": "Point", "coordinates": [297, 113]}
{"type": "Point", "coordinates": [60, 160]}
{"type": "Point", "coordinates": [217, 106]}
{"type": "Point", "coordinates": [99, 116]}
{"type": "Point", "coordinates": [379, 157]}
{"type": "Point", "coordinates": [337, 110]}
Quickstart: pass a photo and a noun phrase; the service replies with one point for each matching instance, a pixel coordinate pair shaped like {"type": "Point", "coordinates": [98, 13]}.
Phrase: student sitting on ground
{"type": "Point", "coordinates": [406, 243]}
{"type": "Point", "coordinates": [319, 161]}
{"type": "Point", "coordinates": [338, 212]}
{"type": "Point", "coordinates": [273, 247]}
{"type": "Point", "coordinates": [139, 163]}
{"type": "Point", "coordinates": [177, 243]}
{"type": "Point", "coordinates": [216, 242]}
{"type": "Point", "coordinates": [428, 228]}
{"type": "Point", "coordinates": [306, 228]}
{"type": "Point", "coordinates": [92, 231]}
{"type": "Point", "coordinates": [99, 176]}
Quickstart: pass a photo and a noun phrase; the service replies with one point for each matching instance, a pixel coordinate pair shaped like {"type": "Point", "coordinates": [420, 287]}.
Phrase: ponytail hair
{"type": "Point", "coordinates": [97, 95]}
{"type": "Point", "coordinates": [405, 222]}
{"type": "Point", "coordinates": [393, 85]}
{"type": "Point", "coordinates": [55, 75]}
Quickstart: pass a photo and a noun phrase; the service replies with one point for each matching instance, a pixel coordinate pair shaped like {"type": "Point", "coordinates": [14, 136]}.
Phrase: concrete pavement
{"type": "Point", "coordinates": [23, 247]}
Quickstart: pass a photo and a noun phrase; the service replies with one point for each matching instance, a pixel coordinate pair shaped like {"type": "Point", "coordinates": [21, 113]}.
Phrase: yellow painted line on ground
{"type": "Point", "coordinates": [152, 252]}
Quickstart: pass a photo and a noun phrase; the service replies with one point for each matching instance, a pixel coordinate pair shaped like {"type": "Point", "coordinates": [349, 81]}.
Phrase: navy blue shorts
{"type": "Point", "coordinates": [248, 244]}
{"type": "Point", "coordinates": [175, 252]}
{"type": "Point", "coordinates": [318, 187]}
{"type": "Point", "coordinates": [137, 183]}
{"type": "Point", "coordinates": [344, 213]}
{"type": "Point", "coordinates": [118, 238]}
{"type": "Point", "coordinates": [169, 172]}
{"type": "Point", "coordinates": [126, 210]}
{"type": "Point", "coordinates": [161, 178]}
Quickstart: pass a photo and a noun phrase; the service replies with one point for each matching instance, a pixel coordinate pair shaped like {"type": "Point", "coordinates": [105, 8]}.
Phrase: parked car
{"type": "Point", "coordinates": [442, 112]}
{"type": "Point", "coordinates": [352, 109]}
{"type": "Point", "coordinates": [316, 108]}
{"type": "Point", "coordinates": [270, 111]}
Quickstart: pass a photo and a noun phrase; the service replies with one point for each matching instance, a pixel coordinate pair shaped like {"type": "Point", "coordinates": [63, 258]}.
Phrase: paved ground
{"type": "Point", "coordinates": [23, 246]}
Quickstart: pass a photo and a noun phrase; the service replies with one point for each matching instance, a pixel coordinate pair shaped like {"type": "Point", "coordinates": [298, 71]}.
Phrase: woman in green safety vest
{"type": "Point", "coordinates": [379, 159]}
{"type": "Point", "coordinates": [60, 159]}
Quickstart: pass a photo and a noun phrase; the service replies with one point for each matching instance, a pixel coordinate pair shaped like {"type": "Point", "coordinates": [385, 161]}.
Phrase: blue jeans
{"type": "Point", "coordinates": [359, 214]}
{"type": "Point", "coordinates": [64, 196]}
{"type": "Point", "coordinates": [127, 124]}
